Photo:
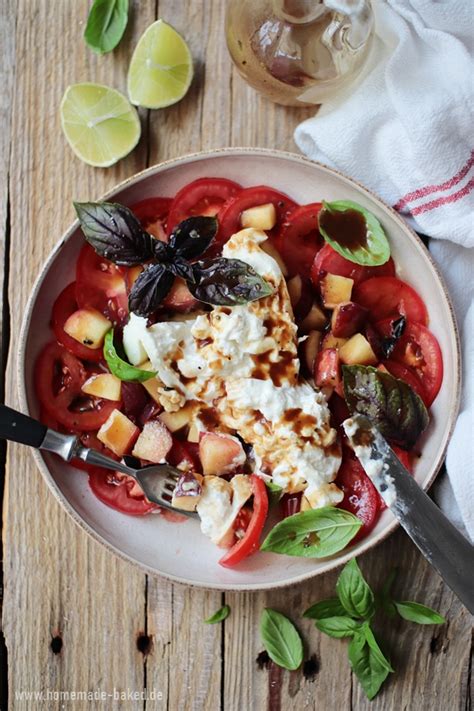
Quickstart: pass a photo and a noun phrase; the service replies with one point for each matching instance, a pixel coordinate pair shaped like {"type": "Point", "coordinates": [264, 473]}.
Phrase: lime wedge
{"type": "Point", "coordinates": [99, 123]}
{"type": "Point", "coordinates": [161, 69]}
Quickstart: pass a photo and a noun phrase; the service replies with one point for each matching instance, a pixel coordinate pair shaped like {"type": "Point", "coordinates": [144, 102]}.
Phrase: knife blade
{"type": "Point", "coordinates": [444, 547]}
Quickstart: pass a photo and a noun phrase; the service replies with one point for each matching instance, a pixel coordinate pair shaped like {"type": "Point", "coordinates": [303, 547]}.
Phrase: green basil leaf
{"type": "Point", "coordinates": [325, 608]}
{"type": "Point", "coordinates": [366, 665]}
{"type": "Point", "coordinates": [338, 627]}
{"type": "Point", "coordinates": [227, 282]}
{"type": "Point", "coordinates": [121, 368]}
{"type": "Point", "coordinates": [274, 492]}
{"type": "Point", "coordinates": [149, 289]}
{"type": "Point", "coordinates": [391, 404]}
{"type": "Point", "coordinates": [114, 232]}
{"type": "Point", "coordinates": [376, 651]}
{"type": "Point", "coordinates": [314, 533]}
{"type": "Point", "coordinates": [193, 236]}
{"type": "Point", "coordinates": [106, 24]}
{"type": "Point", "coordinates": [281, 639]}
{"type": "Point", "coordinates": [354, 232]}
{"type": "Point", "coordinates": [354, 593]}
{"type": "Point", "coordinates": [219, 616]}
{"type": "Point", "coordinates": [415, 612]}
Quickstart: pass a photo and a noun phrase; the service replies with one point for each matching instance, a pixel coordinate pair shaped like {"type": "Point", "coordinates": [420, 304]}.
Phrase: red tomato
{"type": "Point", "coordinates": [59, 376]}
{"type": "Point", "coordinates": [360, 495]}
{"type": "Point", "coordinates": [389, 296]}
{"type": "Point", "coordinates": [300, 240]}
{"type": "Point", "coordinates": [249, 543]}
{"type": "Point", "coordinates": [290, 504]}
{"type": "Point", "coordinates": [153, 213]}
{"type": "Point", "coordinates": [399, 371]}
{"type": "Point", "coordinates": [101, 285]}
{"type": "Point", "coordinates": [229, 215]}
{"type": "Point", "coordinates": [204, 196]}
{"type": "Point", "coordinates": [418, 352]}
{"type": "Point", "coordinates": [64, 306]}
{"type": "Point", "coordinates": [114, 490]}
{"type": "Point", "coordinates": [328, 261]}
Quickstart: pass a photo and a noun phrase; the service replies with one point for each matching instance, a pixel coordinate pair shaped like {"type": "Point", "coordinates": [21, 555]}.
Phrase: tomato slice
{"type": "Point", "coordinates": [389, 296]}
{"type": "Point", "coordinates": [402, 373]}
{"type": "Point", "coordinates": [249, 543]}
{"type": "Point", "coordinates": [64, 306]}
{"type": "Point", "coordinates": [114, 490]}
{"type": "Point", "coordinates": [300, 240]}
{"type": "Point", "coordinates": [153, 213]}
{"type": "Point", "coordinates": [59, 376]}
{"type": "Point", "coordinates": [101, 285]}
{"type": "Point", "coordinates": [229, 215]}
{"type": "Point", "coordinates": [204, 196]}
{"type": "Point", "coordinates": [419, 355]}
{"type": "Point", "coordinates": [360, 496]}
{"type": "Point", "coordinates": [328, 261]}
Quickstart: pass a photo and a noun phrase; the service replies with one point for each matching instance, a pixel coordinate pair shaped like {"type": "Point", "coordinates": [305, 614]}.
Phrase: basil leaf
{"type": "Point", "coordinates": [376, 651]}
{"type": "Point", "coordinates": [149, 289]}
{"type": "Point", "coordinates": [114, 232]}
{"type": "Point", "coordinates": [121, 368]}
{"type": "Point", "coordinates": [281, 639]}
{"type": "Point", "coordinates": [219, 616]}
{"type": "Point", "coordinates": [397, 328]}
{"type": "Point", "coordinates": [355, 595]}
{"type": "Point", "coordinates": [338, 627]}
{"type": "Point", "coordinates": [325, 608]}
{"type": "Point", "coordinates": [226, 282]}
{"type": "Point", "coordinates": [315, 533]}
{"type": "Point", "coordinates": [181, 268]}
{"type": "Point", "coordinates": [106, 24]}
{"type": "Point", "coordinates": [391, 404]}
{"type": "Point", "coordinates": [274, 490]}
{"type": "Point", "coordinates": [193, 236]}
{"type": "Point", "coordinates": [415, 612]}
{"type": "Point", "coordinates": [354, 232]}
{"type": "Point", "coordinates": [366, 665]}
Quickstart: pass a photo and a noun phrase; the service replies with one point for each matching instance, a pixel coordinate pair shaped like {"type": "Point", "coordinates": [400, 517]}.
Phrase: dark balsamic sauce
{"type": "Point", "coordinates": [348, 228]}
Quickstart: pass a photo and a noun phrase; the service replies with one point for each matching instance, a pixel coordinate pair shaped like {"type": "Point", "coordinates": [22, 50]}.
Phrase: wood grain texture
{"type": "Point", "coordinates": [61, 585]}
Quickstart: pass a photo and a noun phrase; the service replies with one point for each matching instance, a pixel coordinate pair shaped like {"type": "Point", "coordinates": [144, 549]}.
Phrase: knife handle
{"type": "Point", "coordinates": [16, 427]}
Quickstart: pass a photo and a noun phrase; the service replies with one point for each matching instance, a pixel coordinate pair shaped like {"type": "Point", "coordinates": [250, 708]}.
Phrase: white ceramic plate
{"type": "Point", "coordinates": [179, 551]}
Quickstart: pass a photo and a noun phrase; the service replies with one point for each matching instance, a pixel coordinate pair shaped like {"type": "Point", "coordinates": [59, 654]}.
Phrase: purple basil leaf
{"type": "Point", "coordinates": [227, 282]}
{"type": "Point", "coordinates": [397, 328]}
{"type": "Point", "coordinates": [149, 290]}
{"type": "Point", "coordinates": [181, 268]}
{"type": "Point", "coordinates": [193, 236]}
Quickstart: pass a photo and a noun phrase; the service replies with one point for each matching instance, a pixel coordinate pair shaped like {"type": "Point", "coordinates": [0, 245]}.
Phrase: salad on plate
{"type": "Point", "coordinates": [229, 332]}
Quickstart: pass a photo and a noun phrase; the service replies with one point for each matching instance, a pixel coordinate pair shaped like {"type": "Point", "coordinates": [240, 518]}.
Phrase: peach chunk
{"type": "Point", "coordinates": [335, 290]}
{"type": "Point", "coordinates": [327, 370]}
{"type": "Point", "coordinates": [118, 433]}
{"type": "Point", "coordinates": [187, 491]}
{"type": "Point", "coordinates": [311, 348]}
{"type": "Point", "coordinates": [261, 217]}
{"type": "Point", "coordinates": [179, 298]}
{"type": "Point", "coordinates": [357, 351]}
{"type": "Point", "coordinates": [347, 319]}
{"type": "Point", "coordinates": [154, 442]}
{"type": "Point", "coordinates": [88, 326]}
{"type": "Point", "coordinates": [220, 454]}
{"type": "Point", "coordinates": [104, 385]}
{"type": "Point", "coordinates": [315, 319]}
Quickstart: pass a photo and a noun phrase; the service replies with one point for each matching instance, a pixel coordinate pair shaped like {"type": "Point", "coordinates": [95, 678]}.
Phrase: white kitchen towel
{"type": "Point", "coordinates": [406, 131]}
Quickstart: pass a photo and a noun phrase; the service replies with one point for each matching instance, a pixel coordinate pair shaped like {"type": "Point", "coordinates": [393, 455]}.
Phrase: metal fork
{"type": "Point", "coordinates": [157, 481]}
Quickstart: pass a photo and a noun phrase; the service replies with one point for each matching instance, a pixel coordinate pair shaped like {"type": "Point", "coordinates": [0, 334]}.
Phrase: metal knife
{"type": "Point", "coordinates": [443, 546]}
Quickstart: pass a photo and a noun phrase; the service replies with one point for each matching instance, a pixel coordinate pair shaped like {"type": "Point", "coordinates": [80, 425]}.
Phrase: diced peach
{"type": "Point", "coordinates": [118, 433]}
{"type": "Point", "coordinates": [382, 368]}
{"type": "Point", "coordinates": [132, 275]}
{"type": "Point", "coordinates": [188, 491]}
{"type": "Point", "coordinates": [153, 385]}
{"type": "Point", "coordinates": [261, 217]}
{"type": "Point", "coordinates": [157, 230]}
{"type": "Point", "coordinates": [357, 351]}
{"type": "Point", "coordinates": [330, 341]}
{"type": "Point", "coordinates": [220, 454]}
{"type": "Point", "coordinates": [327, 370]}
{"type": "Point", "coordinates": [295, 289]}
{"type": "Point", "coordinates": [335, 290]}
{"type": "Point", "coordinates": [314, 320]}
{"type": "Point", "coordinates": [103, 385]}
{"type": "Point", "coordinates": [270, 249]}
{"type": "Point", "coordinates": [347, 319]}
{"type": "Point", "coordinates": [175, 421]}
{"type": "Point", "coordinates": [179, 297]}
{"type": "Point", "coordinates": [154, 442]}
{"type": "Point", "coordinates": [311, 348]}
{"type": "Point", "coordinates": [194, 434]}
{"type": "Point", "coordinates": [87, 326]}
{"type": "Point", "coordinates": [305, 505]}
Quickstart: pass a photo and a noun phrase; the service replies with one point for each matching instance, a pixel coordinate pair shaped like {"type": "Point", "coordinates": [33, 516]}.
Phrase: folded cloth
{"type": "Point", "coordinates": [405, 131]}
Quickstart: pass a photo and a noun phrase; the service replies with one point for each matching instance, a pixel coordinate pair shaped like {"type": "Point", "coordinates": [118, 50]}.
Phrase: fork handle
{"type": "Point", "coordinates": [16, 427]}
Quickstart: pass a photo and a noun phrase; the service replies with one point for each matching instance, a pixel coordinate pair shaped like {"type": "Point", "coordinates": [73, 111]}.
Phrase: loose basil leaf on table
{"type": "Point", "coordinates": [361, 237]}
{"type": "Point", "coordinates": [392, 406]}
{"type": "Point", "coordinates": [119, 367]}
{"type": "Point", "coordinates": [106, 24]}
{"type": "Point", "coordinates": [219, 616]}
{"type": "Point", "coordinates": [149, 289]}
{"type": "Point", "coordinates": [281, 639]}
{"type": "Point", "coordinates": [354, 593]}
{"type": "Point", "coordinates": [315, 533]}
{"type": "Point", "coordinates": [338, 627]}
{"type": "Point", "coordinates": [373, 644]}
{"type": "Point", "coordinates": [227, 282]}
{"type": "Point", "coordinates": [325, 608]}
{"type": "Point", "coordinates": [366, 665]}
{"type": "Point", "coordinates": [416, 612]}
{"type": "Point", "coordinates": [114, 232]}
{"type": "Point", "coordinates": [193, 236]}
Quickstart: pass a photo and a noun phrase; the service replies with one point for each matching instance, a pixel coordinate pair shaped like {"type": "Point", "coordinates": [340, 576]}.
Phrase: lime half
{"type": "Point", "coordinates": [161, 69]}
{"type": "Point", "coordinates": [99, 123]}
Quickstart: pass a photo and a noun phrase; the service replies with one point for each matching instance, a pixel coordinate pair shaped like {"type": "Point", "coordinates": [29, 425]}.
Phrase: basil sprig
{"type": "Point", "coordinates": [314, 533]}
{"type": "Point", "coordinates": [351, 615]}
{"type": "Point", "coordinates": [281, 639]}
{"type": "Point", "coordinates": [106, 24]}
{"type": "Point", "coordinates": [374, 249]}
{"type": "Point", "coordinates": [219, 616]}
{"type": "Point", "coordinates": [391, 404]}
{"type": "Point", "coordinates": [119, 367]}
{"type": "Point", "coordinates": [115, 234]}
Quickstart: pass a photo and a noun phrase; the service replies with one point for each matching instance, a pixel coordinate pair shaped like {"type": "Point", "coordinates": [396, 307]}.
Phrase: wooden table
{"type": "Point", "coordinates": [75, 618]}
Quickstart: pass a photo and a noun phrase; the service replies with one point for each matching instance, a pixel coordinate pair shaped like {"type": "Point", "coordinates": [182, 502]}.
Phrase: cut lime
{"type": "Point", "coordinates": [161, 69]}
{"type": "Point", "coordinates": [99, 123]}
